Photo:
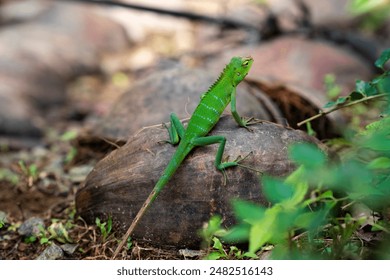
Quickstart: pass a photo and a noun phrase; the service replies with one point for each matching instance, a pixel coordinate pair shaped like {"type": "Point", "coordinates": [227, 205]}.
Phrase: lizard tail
{"type": "Point", "coordinates": [180, 154]}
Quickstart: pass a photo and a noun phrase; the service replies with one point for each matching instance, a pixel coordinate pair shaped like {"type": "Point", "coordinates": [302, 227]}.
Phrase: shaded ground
{"type": "Point", "coordinates": [48, 193]}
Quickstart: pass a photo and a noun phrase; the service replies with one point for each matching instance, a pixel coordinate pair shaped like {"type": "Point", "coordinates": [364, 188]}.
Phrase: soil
{"type": "Point", "coordinates": [49, 194]}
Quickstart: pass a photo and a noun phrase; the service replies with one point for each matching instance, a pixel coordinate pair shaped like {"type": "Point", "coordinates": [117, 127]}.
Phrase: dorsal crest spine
{"type": "Point", "coordinates": [221, 76]}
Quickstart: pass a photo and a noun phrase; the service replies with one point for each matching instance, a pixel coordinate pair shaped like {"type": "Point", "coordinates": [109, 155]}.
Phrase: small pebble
{"type": "Point", "coordinates": [3, 217]}
{"type": "Point", "coordinates": [31, 227]}
{"type": "Point", "coordinates": [53, 252]}
{"type": "Point", "coordinates": [79, 173]}
{"type": "Point", "coordinates": [187, 253]}
{"type": "Point", "coordinates": [69, 248]}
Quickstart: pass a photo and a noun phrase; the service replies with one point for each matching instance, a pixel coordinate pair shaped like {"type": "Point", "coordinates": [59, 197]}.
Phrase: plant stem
{"type": "Point", "coordinates": [323, 113]}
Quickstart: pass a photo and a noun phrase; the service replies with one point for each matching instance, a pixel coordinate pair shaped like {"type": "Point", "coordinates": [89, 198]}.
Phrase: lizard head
{"type": "Point", "coordinates": [240, 67]}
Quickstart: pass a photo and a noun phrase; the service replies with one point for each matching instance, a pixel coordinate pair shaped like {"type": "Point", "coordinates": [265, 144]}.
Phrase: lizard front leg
{"type": "Point", "coordinates": [175, 130]}
{"type": "Point", "coordinates": [240, 120]}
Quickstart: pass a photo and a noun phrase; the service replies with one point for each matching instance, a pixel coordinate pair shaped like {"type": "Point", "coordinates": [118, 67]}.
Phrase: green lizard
{"type": "Point", "coordinates": [204, 118]}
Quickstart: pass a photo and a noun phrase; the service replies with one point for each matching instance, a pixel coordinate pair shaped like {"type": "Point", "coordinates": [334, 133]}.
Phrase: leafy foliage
{"type": "Point", "coordinates": [55, 231]}
{"type": "Point", "coordinates": [375, 11]}
{"type": "Point", "coordinates": [380, 86]}
{"type": "Point", "coordinates": [321, 210]}
{"type": "Point", "coordinates": [105, 227]}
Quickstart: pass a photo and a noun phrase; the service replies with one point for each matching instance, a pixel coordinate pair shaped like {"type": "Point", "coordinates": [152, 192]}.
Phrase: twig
{"type": "Point", "coordinates": [323, 113]}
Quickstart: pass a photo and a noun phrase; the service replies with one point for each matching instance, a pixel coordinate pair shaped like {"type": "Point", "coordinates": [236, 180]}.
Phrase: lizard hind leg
{"type": "Point", "coordinates": [175, 130]}
{"type": "Point", "coordinates": [221, 140]}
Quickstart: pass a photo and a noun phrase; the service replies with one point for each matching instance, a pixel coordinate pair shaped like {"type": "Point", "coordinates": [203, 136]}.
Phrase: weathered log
{"type": "Point", "coordinates": [120, 183]}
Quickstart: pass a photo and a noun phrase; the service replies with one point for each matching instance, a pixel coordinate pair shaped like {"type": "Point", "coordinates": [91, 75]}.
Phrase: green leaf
{"type": "Point", "coordinates": [215, 222]}
{"type": "Point", "coordinates": [236, 234]}
{"type": "Point", "coordinates": [339, 101]}
{"type": "Point", "coordinates": [248, 211]}
{"type": "Point", "coordinates": [263, 231]}
{"type": "Point", "coordinates": [327, 194]}
{"type": "Point", "coordinates": [250, 255]}
{"type": "Point", "coordinates": [69, 135]}
{"type": "Point", "coordinates": [381, 125]}
{"type": "Point", "coordinates": [356, 95]}
{"type": "Point", "coordinates": [312, 220]}
{"type": "Point", "coordinates": [305, 219]}
{"type": "Point", "coordinates": [213, 228]}
{"type": "Point", "coordinates": [218, 245]}
{"type": "Point", "coordinates": [129, 243]}
{"type": "Point", "coordinates": [379, 163]}
{"type": "Point", "coordinates": [379, 226]}
{"type": "Point", "coordinates": [365, 89]}
{"type": "Point", "coordinates": [109, 225]}
{"type": "Point", "coordinates": [364, 6]}
{"type": "Point", "coordinates": [213, 256]}
{"type": "Point", "coordinates": [58, 232]}
{"type": "Point", "coordinates": [330, 104]}
{"type": "Point", "coordinates": [276, 190]}
{"type": "Point", "coordinates": [33, 170]}
{"type": "Point", "coordinates": [299, 181]}
{"type": "Point", "coordinates": [44, 240]}
{"type": "Point", "coordinates": [342, 100]}
{"type": "Point", "coordinates": [384, 57]}
{"type": "Point", "coordinates": [306, 154]}
{"type": "Point", "coordinates": [378, 142]}
{"type": "Point", "coordinates": [30, 239]}
{"type": "Point", "coordinates": [234, 251]}
{"type": "Point", "coordinates": [383, 84]}
{"type": "Point", "coordinates": [360, 86]}
{"type": "Point", "coordinates": [332, 89]}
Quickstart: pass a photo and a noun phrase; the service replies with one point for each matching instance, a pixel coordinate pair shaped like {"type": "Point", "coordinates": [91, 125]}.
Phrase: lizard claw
{"type": "Point", "coordinates": [240, 158]}
{"type": "Point", "coordinates": [250, 121]}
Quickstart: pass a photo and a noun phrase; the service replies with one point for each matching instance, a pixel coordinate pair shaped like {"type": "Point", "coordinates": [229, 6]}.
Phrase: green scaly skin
{"type": "Point", "coordinates": [202, 121]}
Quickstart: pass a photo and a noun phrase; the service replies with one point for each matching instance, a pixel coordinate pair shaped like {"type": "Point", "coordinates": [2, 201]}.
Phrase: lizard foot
{"type": "Point", "coordinates": [239, 159]}
{"type": "Point", "coordinates": [174, 139]}
{"type": "Point", "coordinates": [246, 122]}
{"type": "Point", "coordinates": [251, 121]}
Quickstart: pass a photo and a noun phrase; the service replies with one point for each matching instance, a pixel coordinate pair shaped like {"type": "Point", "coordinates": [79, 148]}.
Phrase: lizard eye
{"type": "Point", "coordinates": [245, 63]}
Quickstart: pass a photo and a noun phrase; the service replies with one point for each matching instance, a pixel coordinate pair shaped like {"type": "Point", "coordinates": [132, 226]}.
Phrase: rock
{"type": "Point", "coordinates": [41, 53]}
{"type": "Point", "coordinates": [53, 252]}
{"type": "Point", "coordinates": [69, 248]}
{"type": "Point", "coordinates": [120, 183]}
{"type": "Point", "coordinates": [330, 13]}
{"type": "Point", "coordinates": [12, 12]}
{"type": "Point", "coordinates": [304, 62]}
{"type": "Point", "coordinates": [31, 227]}
{"type": "Point", "coordinates": [78, 174]}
